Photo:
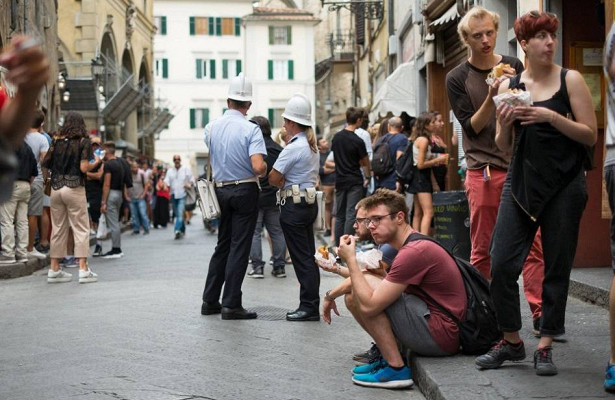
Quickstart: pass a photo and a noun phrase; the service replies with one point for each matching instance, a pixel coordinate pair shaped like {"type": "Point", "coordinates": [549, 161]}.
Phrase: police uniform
{"type": "Point", "coordinates": [299, 165]}
{"type": "Point", "coordinates": [232, 140]}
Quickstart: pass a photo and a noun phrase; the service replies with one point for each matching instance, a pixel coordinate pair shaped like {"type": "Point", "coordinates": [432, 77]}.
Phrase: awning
{"type": "Point", "coordinates": [450, 15]}
{"type": "Point", "coordinates": [397, 94]}
{"type": "Point", "coordinates": [157, 124]}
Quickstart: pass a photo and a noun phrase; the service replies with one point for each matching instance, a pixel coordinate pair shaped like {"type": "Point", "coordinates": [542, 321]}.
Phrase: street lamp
{"type": "Point", "coordinates": [372, 9]}
{"type": "Point", "coordinates": [66, 96]}
{"type": "Point", "coordinates": [61, 81]}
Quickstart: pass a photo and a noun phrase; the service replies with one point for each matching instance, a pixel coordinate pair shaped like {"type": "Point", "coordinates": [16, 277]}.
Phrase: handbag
{"type": "Point", "coordinates": [47, 187]}
{"type": "Point", "coordinates": [319, 224]}
{"type": "Point", "coordinates": [207, 199]}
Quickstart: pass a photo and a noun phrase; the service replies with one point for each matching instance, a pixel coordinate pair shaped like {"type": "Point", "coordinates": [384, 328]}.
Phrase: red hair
{"type": "Point", "coordinates": [529, 24]}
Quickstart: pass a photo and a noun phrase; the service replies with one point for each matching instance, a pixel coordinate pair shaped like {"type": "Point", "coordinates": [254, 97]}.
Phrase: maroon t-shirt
{"type": "Point", "coordinates": [425, 264]}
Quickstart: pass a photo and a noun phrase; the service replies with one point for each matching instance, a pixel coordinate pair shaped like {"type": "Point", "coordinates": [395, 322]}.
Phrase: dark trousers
{"type": "Point", "coordinates": [510, 244]}
{"type": "Point", "coordinates": [238, 209]}
{"type": "Point", "coordinates": [609, 177]}
{"type": "Point", "coordinates": [297, 221]}
{"type": "Point", "coordinates": [345, 213]}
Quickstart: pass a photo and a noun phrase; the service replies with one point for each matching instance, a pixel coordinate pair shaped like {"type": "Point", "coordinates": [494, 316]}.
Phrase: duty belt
{"type": "Point", "coordinates": [309, 194]}
{"type": "Point", "coordinates": [237, 182]}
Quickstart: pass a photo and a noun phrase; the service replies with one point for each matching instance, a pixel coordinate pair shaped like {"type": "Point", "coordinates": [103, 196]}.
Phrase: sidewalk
{"type": "Point", "coordinates": [581, 360]}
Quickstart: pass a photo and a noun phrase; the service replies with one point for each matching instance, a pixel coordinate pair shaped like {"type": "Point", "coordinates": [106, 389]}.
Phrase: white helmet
{"type": "Point", "coordinates": [299, 110]}
{"type": "Point", "coordinates": [240, 88]}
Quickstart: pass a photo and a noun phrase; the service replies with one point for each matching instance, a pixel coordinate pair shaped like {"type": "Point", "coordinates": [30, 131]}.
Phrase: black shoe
{"type": "Point", "coordinates": [368, 357]}
{"type": "Point", "coordinates": [113, 253]}
{"type": "Point", "coordinates": [210, 308]}
{"type": "Point", "coordinates": [178, 235]}
{"type": "Point", "coordinates": [237, 313]}
{"type": "Point", "coordinates": [279, 273]}
{"type": "Point", "coordinates": [301, 315]}
{"type": "Point", "coordinates": [543, 362]}
{"type": "Point", "coordinates": [97, 251]}
{"type": "Point", "coordinates": [502, 351]}
{"type": "Point", "coordinates": [42, 249]}
{"type": "Point", "coordinates": [256, 273]}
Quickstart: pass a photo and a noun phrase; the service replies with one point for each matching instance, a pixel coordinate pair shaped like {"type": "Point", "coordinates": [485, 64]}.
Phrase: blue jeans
{"type": "Point", "coordinates": [179, 205]}
{"type": "Point", "coordinates": [269, 217]}
{"type": "Point", "coordinates": [138, 210]}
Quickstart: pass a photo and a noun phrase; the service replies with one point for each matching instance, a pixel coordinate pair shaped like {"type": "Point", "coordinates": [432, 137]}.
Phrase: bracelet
{"type": "Point", "coordinates": [328, 296]}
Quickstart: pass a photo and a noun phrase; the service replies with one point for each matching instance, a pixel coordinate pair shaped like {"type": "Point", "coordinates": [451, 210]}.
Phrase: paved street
{"type": "Point", "coordinates": [138, 334]}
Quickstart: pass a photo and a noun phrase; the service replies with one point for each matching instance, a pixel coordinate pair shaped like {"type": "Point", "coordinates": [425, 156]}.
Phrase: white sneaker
{"type": "Point", "coordinates": [87, 276]}
{"type": "Point", "coordinates": [58, 276]}
{"type": "Point", "coordinates": [36, 254]}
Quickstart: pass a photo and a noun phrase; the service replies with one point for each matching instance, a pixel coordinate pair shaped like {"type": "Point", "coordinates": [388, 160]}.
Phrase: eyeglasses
{"type": "Point", "coordinates": [374, 220]}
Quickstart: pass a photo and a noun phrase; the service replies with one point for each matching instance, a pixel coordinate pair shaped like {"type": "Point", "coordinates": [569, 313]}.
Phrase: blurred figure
{"type": "Point", "coordinates": [178, 178]}
{"type": "Point", "coordinates": [438, 147]}
{"type": "Point", "coordinates": [327, 183]}
{"type": "Point", "coordinates": [93, 193]}
{"type": "Point", "coordinates": [138, 193]}
{"type": "Point", "coordinates": [163, 196]}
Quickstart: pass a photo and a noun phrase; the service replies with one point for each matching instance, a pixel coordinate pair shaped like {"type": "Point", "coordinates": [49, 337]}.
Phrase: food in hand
{"type": "Point", "coordinates": [324, 251]}
{"type": "Point", "coordinates": [498, 71]}
{"type": "Point", "coordinates": [514, 97]}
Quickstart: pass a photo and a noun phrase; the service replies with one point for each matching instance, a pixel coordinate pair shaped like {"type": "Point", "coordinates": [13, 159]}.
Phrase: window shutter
{"type": "Point", "coordinates": [237, 26]}
{"type": "Point", "coordinates": [270, 68]}
{"type": "Point", "coordinates": [271, 114]}
{"type": "Point", "coordinates": [199, 68]}
{"type": "Point", "coordinates": [165, 68]}
{"type": "Point", "coordinates": [291, 72]}
{"type": "Point", "coordinates": [224, 69]}
{"type": "Point", "coordinates": [192, 118]}
{"type": "Point", "coordinates": [211, 27]}
{"type": "Point", "coordinates": [212, 69]}
{"type": "Point", "coordinates": [192, 24]}
{"type": "Point", "coordinates": [238, 66]}
{"type": "Point", "coordinates": [163, 25]}
{"type": "Point", "coordinates": [360, 25]}
{"type": "Point", "coordinates": [205, 117]}
{"type": "Point", "coordinates": [218, 26]}
{"type": "Point", "coordinates": [289, 31]}
{"type": "Point", "coordinates": [271, 34]}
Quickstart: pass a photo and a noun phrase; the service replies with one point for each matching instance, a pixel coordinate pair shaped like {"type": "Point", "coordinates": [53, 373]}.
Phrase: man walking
{"type": "Point", "coordinates": [471, 100]}
{"type": "Point", "coordinates": [178, 178]}
{"type": "Point", "coordinates": [397, 143]}
{"type": "Point", "coordinates": [138, 193]}
{"type": "Point", "coordinates": [236, 150]}
{"type": "Point", "coordinates": [115, 183]}
{"type": "Point", "coordinates": [350, 156]}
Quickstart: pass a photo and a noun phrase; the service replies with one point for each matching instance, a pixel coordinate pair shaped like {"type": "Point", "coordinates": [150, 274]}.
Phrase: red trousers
{"type": "Point", "coordinates": [484, 201]}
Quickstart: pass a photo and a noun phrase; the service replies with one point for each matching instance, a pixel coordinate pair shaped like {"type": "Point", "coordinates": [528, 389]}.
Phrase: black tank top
{"type": "Point", "coordinates": [545, 160]}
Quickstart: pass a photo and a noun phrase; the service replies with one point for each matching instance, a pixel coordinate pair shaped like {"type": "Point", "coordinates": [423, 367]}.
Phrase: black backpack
{"type": "Point", "coordinates": [404, 167]}
{"type": "Point", "coordinates": [382, 163]}
{"type": "Point", "coordinates": [479, 331]}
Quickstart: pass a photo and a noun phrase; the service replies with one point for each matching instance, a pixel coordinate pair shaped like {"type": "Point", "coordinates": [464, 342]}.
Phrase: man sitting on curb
{"type": "Point", "coordinates": [394, 308]}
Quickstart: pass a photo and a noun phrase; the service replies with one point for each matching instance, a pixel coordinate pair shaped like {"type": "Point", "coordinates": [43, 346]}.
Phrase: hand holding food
{"type": "Point", "coordinates": [498, 72]}
{"type": "Point", "coordinates": [514, 98]}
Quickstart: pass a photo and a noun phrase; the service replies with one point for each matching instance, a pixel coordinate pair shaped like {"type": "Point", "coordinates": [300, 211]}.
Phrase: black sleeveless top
{"type": "Point", "coordinates": [545, 160]}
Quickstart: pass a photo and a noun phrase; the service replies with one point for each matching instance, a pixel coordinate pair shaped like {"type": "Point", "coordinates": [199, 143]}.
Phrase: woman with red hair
{"type": "Point", "coordinates": [545, 188]}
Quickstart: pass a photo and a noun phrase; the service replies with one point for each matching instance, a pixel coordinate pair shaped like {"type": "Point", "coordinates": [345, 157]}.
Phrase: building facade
{"type": "Point", "coordinates": [107, 62]}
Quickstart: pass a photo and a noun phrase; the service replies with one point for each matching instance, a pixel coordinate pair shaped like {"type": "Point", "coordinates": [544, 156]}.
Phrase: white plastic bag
{"type": "Point", "coordinates": [102, 231]}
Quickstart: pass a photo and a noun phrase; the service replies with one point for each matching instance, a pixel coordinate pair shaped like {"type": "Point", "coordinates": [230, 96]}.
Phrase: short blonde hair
{"type": "Point", "coordinates": [478, 12]}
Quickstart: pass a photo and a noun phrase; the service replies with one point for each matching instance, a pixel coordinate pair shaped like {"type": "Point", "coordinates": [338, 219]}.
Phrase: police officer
{"type": "Point", "coordinates": [296, 173]}
{"type": "Point", "coordinates": [237, 151]}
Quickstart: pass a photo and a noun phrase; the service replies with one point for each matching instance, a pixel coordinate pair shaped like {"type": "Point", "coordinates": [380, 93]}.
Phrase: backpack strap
{"type": "Point", "coordinates": [417, 237]}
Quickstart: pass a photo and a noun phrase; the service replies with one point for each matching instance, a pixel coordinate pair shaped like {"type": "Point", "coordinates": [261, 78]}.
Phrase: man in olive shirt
{"type": "Point", "coordinates": [471, 100]}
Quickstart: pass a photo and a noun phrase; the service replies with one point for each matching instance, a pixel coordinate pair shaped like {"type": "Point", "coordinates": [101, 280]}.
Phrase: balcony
{"type": "Point", "coordinates": [342, 46]}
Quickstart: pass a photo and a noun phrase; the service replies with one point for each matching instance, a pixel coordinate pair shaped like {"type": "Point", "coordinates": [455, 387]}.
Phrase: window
{"type": "Point", "coordinates": [280, 35]}
{"type": "Point", "coordinates": [215, 26]}
{"type": "Point", "coordinates": [161, 24]}
{"type": "Point", "coordinates": [275, 117]}
{"type": "Point", "coordinates": [230, 68]}
{"type": "Point", "coordinates": [199, 117]}
{"type": "Point", "coordinates": [162, 68]}
{"type": "Point", "coordinates": [205, 69]}
{"type": "Point", "coordinates": [280, 70]}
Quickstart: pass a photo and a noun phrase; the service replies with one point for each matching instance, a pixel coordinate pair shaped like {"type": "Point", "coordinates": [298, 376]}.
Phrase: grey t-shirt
{"type": "Point", "coordinates": [138, 184]}
{"type": "Point", "coordinates": [39, 144]}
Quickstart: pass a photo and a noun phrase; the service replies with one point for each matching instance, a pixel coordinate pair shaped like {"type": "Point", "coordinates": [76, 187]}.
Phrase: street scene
{"type": "Point", "coordinates": [307, 199]}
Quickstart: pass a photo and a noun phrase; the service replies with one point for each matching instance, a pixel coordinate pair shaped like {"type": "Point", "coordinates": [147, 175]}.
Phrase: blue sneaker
{"type": "Point", "coordinates": [609, 378]}
{"type": "Point", "coordinates": [367, 368]}
{"type": "Point", "coordinates": [385, 377]}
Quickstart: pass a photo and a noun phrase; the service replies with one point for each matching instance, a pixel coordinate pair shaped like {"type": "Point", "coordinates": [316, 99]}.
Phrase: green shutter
{"type": "Point", "coordinates": [205, 117]}
{"type": "Point", "coordinates": [238, 66]}
{"type": "Point", "coordinates": [210, 26]}
{"type": "Point", "coordinates": [270, 69]}
{"type": "Point", "coordinates": [271, 33]}
{"type": "Point", "coordinates": [289, 31]}
{"type": "Point", "coordinates": [163, 25]}
{"type": "Point", "coordinates": [165, 68]}
{"type": "Point", "coordinates": [199, 68]}
{"type": "Point", "coordinates": [224, 69]}
{"type": "Point", "coordinates": [291, 70]}
{"type": "Point", "coordinates": [237, 26]}
{"type": "Point", "coordinates": [212, 69]}
{"type": "Point", "coordinates": [192, 118]}
{"type": "Point", "coordinates": [192, 24]}
{"type": "Point", "coordinates": [218, 26]}
{"type": "Point", "coordinates": [271, 113]}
